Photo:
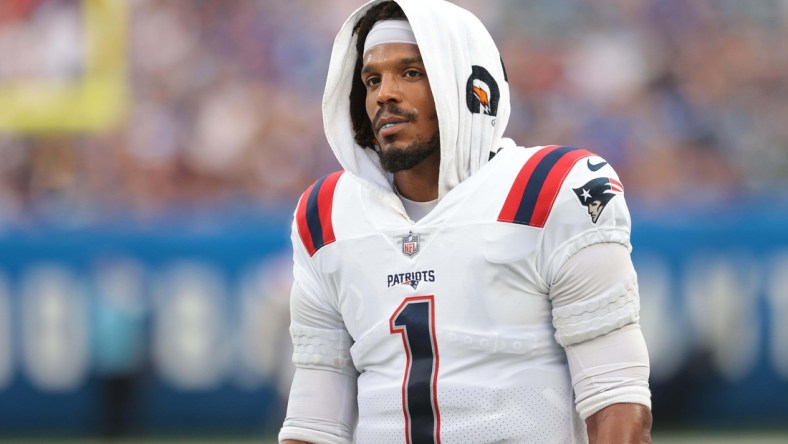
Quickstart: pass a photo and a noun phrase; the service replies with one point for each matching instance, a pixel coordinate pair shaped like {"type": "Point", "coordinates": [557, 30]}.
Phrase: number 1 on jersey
{"type": "Point", "coordinates": [414, 319]}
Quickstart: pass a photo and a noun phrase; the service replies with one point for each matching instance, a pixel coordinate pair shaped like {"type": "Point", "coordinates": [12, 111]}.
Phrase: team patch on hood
{"type": "Point", "coordinates": [482, 92]}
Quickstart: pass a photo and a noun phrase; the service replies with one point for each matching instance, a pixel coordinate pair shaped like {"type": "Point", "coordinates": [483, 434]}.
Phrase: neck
{"type": "Point", "coordinates": [420, 183]}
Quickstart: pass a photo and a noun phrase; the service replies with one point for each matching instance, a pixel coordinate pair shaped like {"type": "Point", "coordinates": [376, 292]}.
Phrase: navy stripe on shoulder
{"type": "Point", "coordinates": [537, 179]}
{"type": "Point", "coordinates": [313, 215]}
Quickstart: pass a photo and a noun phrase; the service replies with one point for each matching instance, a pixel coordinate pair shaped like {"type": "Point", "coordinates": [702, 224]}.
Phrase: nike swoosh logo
{"type": "Point", "coordinates": [595, 167]}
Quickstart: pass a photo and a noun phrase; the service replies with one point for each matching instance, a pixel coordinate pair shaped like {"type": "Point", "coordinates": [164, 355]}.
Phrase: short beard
{"type": "Point", "coordinates": [395, 160]}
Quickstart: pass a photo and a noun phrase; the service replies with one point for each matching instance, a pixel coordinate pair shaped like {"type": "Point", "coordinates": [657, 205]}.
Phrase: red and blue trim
{"type": "Point", "coordinates": [537, 185]}
{"type": "Point", "coordinates": [313, 215]}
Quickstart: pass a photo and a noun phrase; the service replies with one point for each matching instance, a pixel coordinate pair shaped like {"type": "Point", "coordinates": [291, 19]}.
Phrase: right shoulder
{"type": "Point", "coordinates": [313, 216]}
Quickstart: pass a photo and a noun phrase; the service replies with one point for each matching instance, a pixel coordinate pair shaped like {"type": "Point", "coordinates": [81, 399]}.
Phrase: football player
{"type": "Point", "coordinates": [449, 285]}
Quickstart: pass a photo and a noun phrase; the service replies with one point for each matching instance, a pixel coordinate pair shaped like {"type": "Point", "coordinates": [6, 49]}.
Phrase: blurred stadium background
{"type": "Point", "coordinates": [152, 151]}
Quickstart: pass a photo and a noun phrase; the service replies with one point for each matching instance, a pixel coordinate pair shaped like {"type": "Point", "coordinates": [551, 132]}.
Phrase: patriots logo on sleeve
{"type": "Point", "coordinates": [596, 193]}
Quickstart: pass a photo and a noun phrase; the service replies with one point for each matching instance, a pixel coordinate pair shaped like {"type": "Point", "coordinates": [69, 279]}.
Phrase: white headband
{"type": "Point", "coordinates": [389, 31]}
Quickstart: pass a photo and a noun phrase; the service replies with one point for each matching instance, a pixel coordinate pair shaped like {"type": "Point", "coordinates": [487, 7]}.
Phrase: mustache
{"type": "Point", "coordinates": [393, 110]}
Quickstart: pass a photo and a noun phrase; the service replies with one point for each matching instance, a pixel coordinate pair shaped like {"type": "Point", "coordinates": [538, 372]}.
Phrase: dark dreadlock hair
{"type": "Point", "coordinates": [362, 128]}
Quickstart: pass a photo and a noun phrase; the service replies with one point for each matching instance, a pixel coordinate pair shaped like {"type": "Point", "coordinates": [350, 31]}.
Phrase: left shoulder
{"type": "Point", "coordinates": [543, 173]}
{"type": "Point", "coordinates": [581, 203]}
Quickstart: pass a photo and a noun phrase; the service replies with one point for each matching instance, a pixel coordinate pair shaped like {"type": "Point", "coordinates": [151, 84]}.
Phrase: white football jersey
{"type": "Point", "coordinates": [448, 321]}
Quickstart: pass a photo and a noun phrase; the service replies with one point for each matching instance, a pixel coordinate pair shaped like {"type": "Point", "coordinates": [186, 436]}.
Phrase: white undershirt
{"type": "Point", "coordinates": [416, 210]}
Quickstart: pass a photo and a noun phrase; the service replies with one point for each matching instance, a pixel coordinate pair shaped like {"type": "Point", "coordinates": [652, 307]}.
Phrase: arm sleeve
{"type": "Point", "coordinates": [322, 407]}
{"type": "Point", "coordinates": [322, 402]}
{"type": "Point", "coordinates": [610, 369]}
{"type": "Point", "coordinates": [596, 312]}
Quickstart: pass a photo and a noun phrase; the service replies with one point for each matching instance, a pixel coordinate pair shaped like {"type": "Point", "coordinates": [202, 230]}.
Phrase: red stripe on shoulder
{"type": "Point", "coordinates": [552, 185]}
{"type": "Point", "coordinates": [301, 223]}
{"type": "Point", "coordinates": [512, 203]}
{"type": "Point", "coordinates": [325, 204]}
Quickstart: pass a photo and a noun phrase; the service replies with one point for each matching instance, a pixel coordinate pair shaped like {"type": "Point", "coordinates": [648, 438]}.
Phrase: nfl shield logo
{"type": "Point", "coordinates": [410, 244]}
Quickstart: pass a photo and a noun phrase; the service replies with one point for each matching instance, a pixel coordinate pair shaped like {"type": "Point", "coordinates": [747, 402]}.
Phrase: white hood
{"type": "Point", "coordinates": [452, 41]}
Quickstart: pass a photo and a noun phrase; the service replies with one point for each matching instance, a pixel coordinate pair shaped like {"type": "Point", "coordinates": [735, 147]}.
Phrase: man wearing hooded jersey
{"type": "Point", "coordinates": [451, 286]}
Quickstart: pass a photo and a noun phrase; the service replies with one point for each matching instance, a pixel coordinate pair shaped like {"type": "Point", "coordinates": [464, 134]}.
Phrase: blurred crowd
{"type": "Point", "coordinates": [688, 100]}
